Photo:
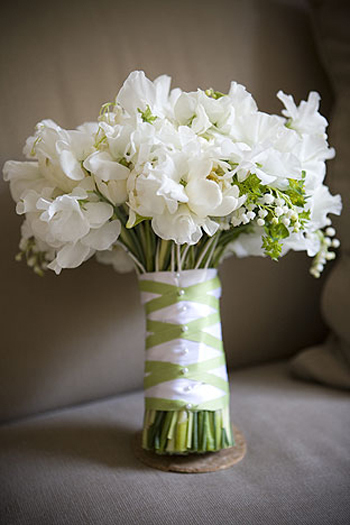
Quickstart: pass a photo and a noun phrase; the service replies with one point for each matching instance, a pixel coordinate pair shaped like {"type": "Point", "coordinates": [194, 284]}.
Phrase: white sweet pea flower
{"type": "Point", "coordinates": [65, 219]}
{"type": "Point", "coordinates": [60, 153]}
{"type": "Point", "coordinates": [156, 189]}
{"type": "Point", "coordinates": [109, 175]}
{"type": "Point", "coordinates": [69, 218]}
{"type": "Point", "coordinates": [118, 138]}
{"type": "Point", "coordinates": [183, 227]}
{"type": "Point", "coordinates": [77, 229]}
{"type": "Point", "coordinates": [71, 255]}
{"type": "Point", "coordinates": [313, 151]}
{"type": "Point", "coordinates": [209, 190]}
{"type": "Point", "coordinates": [189, 111]}
{"type": "Point", "coordinates": [242, 101]}
{"type": "Point", "coordinates": [117, 257]}
{"type": "Point", "coordinates": [27, 233]}
{"type": "Point", "coordinates": [138, 92]}
{"type": "Point", "coordinates": [270, 165]}
{"type": "Point", "coordinates": [103, 237]}
{"type": "Point", "coordinates": [321, 203]}
{"type": "Point", "coordinates": [258, 129]}
{"type": "Point", "coordinates": [302, 241]}
{"type": "Point", "coordinates": [304, 118]}
{"type": "Point", "coordinates": [23, 176]}
{"type": "Point", "coordinates": [247, 244]}
{"type": "Point", "coordinates": [220, 112]}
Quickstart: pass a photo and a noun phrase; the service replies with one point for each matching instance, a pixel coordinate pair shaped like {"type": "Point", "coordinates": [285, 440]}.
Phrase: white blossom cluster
{"type": "Point", "coordinates": [191, 164]}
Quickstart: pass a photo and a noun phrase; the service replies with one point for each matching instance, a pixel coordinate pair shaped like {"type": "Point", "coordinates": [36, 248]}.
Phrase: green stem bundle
{"type": "Point", "coordinates": [183, 432]}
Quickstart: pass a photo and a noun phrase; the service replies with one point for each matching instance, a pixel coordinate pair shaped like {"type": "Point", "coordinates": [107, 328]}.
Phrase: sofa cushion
{"type": "Point", "coordinates": [76, 466]}
{"type": "Point", "coordinates": [69, 339]}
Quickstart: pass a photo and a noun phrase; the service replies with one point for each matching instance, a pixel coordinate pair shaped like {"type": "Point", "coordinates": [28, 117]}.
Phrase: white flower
{"type": "Point", "coordinates": [313, 151]}
{"type": "Point", "coordinates": [247, 244]}
{"type": "Point", "coordinates": [156, 189]}
{"type": "Point", "coordinates": [183, 227]}
{"type": "Point", "coordinates": [70, 221]}
{"type": "Point", "coordinates": [321, 203]}
{"type": "Point", "coordinates": [71, 255]}
{"type": "Point", "coordinates": [305, 118]}
{"type": "Point", "coordinates": [110, 176]}
{"type": "Point", "coordinates": [192, 163]}
{"type": "Point", "coordinates": [117, 257]}
{"type": "Point", "coordinates": [242, 101]}
{"type": "Point", "coordinates": [60, 153]}
{"type": "Point", "coordinates": [190, 111]}
{"type": "Point", "coordinates": [138, 92]}
{"type": "Point", "coordinates": [102, 238]}
{"type": "Point", "coordinates": [209, 192]}
{"type": "Point", "coordinates": [23, 176]}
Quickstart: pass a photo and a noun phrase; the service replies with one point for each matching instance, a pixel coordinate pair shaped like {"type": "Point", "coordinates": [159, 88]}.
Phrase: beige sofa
{"type": "Point", "coordinates": [72, 346]}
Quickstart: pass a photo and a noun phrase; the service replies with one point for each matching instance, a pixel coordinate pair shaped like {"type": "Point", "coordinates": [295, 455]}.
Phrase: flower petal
{"type": "Point", "coordinates": [102, 238]}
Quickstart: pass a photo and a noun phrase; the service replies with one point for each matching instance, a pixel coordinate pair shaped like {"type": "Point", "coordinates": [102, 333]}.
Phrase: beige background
{"type": "Point", "coordinates": [79, 336]}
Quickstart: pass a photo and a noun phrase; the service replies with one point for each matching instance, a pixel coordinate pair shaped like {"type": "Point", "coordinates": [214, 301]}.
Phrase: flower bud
{"type": "Point", "coordinates": [268, 198]}
{"type": "Point", "coordinates": [330, 232]}
{"type": "Point", "coordinates": [278, 211]}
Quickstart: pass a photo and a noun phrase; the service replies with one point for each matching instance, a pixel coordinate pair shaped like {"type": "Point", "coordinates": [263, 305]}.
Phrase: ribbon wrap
{"type": "Point", "coordinates": [185, 362]}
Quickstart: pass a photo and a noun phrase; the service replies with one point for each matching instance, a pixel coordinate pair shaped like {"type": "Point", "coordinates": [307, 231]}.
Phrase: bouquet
{"type": "Point", "coordinates": [171, 183]}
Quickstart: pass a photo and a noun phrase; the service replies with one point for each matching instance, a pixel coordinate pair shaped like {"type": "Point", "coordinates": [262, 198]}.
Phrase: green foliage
{"type": "Point", "coordinates": [147, 115]}
{"type": "Point", "coordinates": [296, 192]}
{"type": "Point", "coordinates": [251, 187]}
{"type": "Point", "coordinates": [271, 241]}
{"type": "Point", "coordinates": [304, 216]}
{"type": "Point", "coordinates": [272, 247]}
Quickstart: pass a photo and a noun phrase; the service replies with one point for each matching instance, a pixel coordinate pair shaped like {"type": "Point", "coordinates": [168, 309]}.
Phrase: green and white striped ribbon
{"type": "Point", "coordinates": [185, 362]}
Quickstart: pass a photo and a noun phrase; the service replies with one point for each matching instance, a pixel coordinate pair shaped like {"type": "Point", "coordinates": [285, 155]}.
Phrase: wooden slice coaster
{"type": "Point", "coordinates": [193, 463]}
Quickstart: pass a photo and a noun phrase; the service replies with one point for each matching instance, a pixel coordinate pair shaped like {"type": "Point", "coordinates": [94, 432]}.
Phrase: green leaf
{"type": "Point", "coordinates": [304, 216]}
{"type": "Point", "coordinates": [272, 247]}
{"type": "Point", "coordinates": [277, 231]}
{"type": "Point", "coordinates": [296, 192]}
{"type": "Point", "coordinates": [251, 187]}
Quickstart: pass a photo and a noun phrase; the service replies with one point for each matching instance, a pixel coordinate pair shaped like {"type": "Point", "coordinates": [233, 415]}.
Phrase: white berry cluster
{"type": "Point", "coordinates": [327, 242]}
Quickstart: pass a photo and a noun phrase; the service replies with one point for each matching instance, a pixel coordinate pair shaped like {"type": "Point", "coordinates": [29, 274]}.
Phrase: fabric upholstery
{"type": "Point", "coordinates": [330, 362]}
{"type": "Point", "coordinates": [79, 336]}
{"type": "Point", "coordinates": [76, 466]}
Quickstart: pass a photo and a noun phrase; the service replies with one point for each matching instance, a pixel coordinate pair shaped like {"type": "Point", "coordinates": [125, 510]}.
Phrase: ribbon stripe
{"type": "Point", "coordinates": [164, 379]}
